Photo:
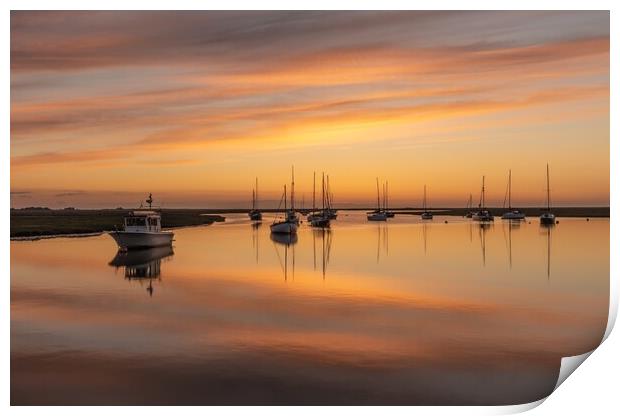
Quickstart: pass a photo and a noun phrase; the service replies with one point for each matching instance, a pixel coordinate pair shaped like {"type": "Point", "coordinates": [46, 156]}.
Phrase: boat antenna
{"type": "Point", "coordinates": [150, 200]}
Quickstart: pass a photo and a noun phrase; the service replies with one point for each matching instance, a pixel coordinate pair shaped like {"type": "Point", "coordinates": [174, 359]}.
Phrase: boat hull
{"type": "Point", "coordinates": [137, 240]}
{"type": "Point", "coordinates": [513, 216]}
{"type": "Point", "coordinates": [427, 216]}
{"type": "Point", "coordinates": [255, 215]}
{"type": "Point", "coordinates": [285, 227]}
{"type": "Point", "coordinates": [547, 219]}
{"type": "Point", "coordinates": [377, 216]}
{"type": "Point", "coordinates": [482, 216]}
{"type": "Point", "coordinates": [319, 222]}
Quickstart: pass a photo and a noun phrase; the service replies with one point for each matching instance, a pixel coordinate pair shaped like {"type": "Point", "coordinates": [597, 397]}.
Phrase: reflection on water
{"type": "Point", "coordinates": [402, 312]}
{"type": "Point", "coordinates": [142, 265]}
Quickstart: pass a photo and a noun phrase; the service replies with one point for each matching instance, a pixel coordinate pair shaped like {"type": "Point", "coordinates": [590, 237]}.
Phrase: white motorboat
{"type": "Point", "coordinates": [142, 229]}
{"type": "Point", "coordinates": [548, 218]}
{"type": "Point", "coordinates": [512, 214]}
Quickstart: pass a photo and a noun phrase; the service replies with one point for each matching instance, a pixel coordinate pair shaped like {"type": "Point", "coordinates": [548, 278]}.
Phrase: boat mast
{"type": "Point", "coordinates": [292, 188]}
{"type": "Point", "coordinates": [424, 200]}
{"type": "Point", "coordinates": [284, 198]}
{"type": "Point", "coordinates": [314, 191]}
{"type": "Point", "coordinates": [378, 202]}
{"type": "Point", "coordinates": [323, 190]}
{"type": "Point", "coordinates": [256, 194]}
{"type": "Point", "coordinates": [253, 200]}
{"type": "Point", "coordinates": [548, 190]}
{"type": "Point", "coordinates": [509, 189]}
{"type": "Point", "coordinates": [386, 195]}
{"type": "Point", "coordinates": [483, 192]}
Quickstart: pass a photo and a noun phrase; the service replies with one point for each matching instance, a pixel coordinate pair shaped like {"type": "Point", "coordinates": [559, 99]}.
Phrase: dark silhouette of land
{"type": "Point", "coordinates": [41, 221]}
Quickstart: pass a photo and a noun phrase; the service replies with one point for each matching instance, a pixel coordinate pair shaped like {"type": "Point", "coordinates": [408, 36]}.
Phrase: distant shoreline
{"type": "Point", "coordinates": [32, 224]}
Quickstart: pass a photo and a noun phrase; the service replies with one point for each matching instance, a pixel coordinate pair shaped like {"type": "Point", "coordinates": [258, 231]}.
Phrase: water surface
{"type": "Point", "coordinates": [402, 312]}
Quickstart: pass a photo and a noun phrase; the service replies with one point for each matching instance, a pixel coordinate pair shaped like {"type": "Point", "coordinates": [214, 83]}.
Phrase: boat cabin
{"type": "Point", "coordinates": [143, 221]}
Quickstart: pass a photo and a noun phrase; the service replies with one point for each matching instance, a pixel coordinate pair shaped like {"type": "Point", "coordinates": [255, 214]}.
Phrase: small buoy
{"type": "Point", "coordinates": [446, 221]}
{"type": "Point", "coordinates": [587, 219]}
{"type": "Point", "coordinates": [557, 222]}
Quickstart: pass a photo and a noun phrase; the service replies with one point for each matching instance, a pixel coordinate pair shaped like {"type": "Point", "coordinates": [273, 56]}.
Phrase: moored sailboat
{"type": "Point", "coordinates": [289, 224]}
{"type": "Point", "coordinates": [482, 214]}
{"type": "Point", "coordinates": [378, 214]}
{"type": "Point", "coordinates": [548, 218]}
{"type": "Point", "coordinates": [322, 218]}
{"type": "Point", "coordinates": [255, 214]}
{"type": "Point", "coordinates": [512, 214]}
{"type": "Point", "coordinates": [426, 215]}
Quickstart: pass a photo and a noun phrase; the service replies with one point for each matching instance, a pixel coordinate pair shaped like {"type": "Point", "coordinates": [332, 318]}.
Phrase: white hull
{"type": "Point", "coordinates": [284, 227]}
{"type": "Point", "coordinates": [427, 216]}
{"type": "Point", "coordinates": [131, 240]}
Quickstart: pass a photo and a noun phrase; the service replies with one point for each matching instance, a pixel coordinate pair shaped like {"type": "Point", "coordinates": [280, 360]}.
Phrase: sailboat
{"type": "Point", "coordinates": [470, 205]}
{"type": "Point", "coordinates": [512, 214]}
{"type": "Point", "coordinates": [482, 214]}
{"type": "Point", "coordinates": [426, 215]}
{"type": "Point", "coordinates": [321, 219]}
{"type": "Point", "coordinates": [289, 224]}
{"type": "Point", "coordinates": [330, 212]}
{"type": "Point", "coordinates": [548, 218]}
{"type": "Point", "coordinates": [255, 214]}
{"type": "Point", "coordinates": [379, 214]}
{"type": "Point", "coordinates": [388, 213]}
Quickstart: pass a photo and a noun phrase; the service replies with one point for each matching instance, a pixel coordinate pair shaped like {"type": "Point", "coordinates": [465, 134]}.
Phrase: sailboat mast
{"type": "Point", "coordinates": [292, 188]}
{"type": "Point", "coordinates": [284, 198]}
{"type": "Point", "coordinates": [314, 191]}
{"type": "Point", "coordinates": [483, 206]}
{"type": "Point", "coordinates": [510, 189]}
{"type": "Point", "coordinates": [424, 200]}
{"type": "Point", "coordinates": [256, 194]}
{"type": "Point", "coordinates": [378, 203]}
{"type": "Point", "coordinates": [323, 190]}
{"type": "Point", "coordinates": [253, 199]}
{"type": "Point", "coordinates": [386, 195]}
{"type": "Point", "coordinates": [548, 191]}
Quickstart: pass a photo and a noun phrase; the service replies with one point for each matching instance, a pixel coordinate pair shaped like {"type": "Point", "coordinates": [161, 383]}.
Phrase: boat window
{"type": "Point", "coordinates": [153, 221]}
{"type": "Point", "coordinates": [135, 222]}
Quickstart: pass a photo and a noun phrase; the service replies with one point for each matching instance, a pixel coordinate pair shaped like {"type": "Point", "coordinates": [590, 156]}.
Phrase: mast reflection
{"type": "Point", "coordinates": [142, 265]}
{"type": "Point", "coordinates": [326, 242]}
{"type": "Point", "coordinates": [546, 229]}
{"type": "Point", "coordinates": [482, 231]}
{"type": "Point", "coordinates": [286, 240]}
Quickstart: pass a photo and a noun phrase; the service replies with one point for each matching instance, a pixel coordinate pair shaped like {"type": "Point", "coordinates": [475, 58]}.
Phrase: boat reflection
{"type": "Point", "coordinates": [325, 234]}
{"type": "Point", "coordinates": [511, 224]}
{"type": "Point", "coordinates": [483, 227]}
{"type": "Point", "coordinates": [288, 241]}
{"type": "Point", "coordinates": [546, 230]}
{"type": "Point", "coordinates": [142, 265]}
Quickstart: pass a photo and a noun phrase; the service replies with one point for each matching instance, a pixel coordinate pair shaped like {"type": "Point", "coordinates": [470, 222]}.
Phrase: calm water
{"type": "Point", "coordinates": [366, 313]}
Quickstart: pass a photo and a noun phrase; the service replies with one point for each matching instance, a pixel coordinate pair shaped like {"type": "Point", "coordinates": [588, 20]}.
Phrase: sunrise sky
{"type": "Point", "coordinates": [192, 106]}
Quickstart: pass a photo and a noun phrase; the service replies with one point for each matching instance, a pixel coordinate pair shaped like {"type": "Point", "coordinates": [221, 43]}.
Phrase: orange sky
{"type": "Point", "coordinates": [192, 106]}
